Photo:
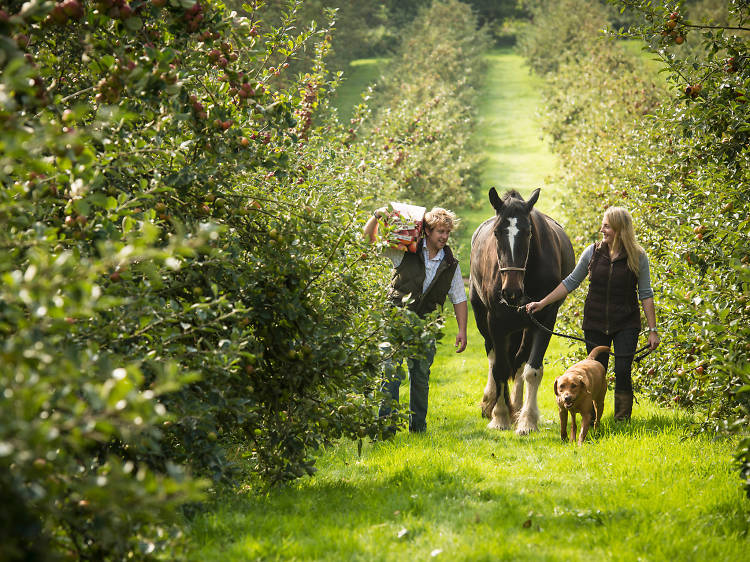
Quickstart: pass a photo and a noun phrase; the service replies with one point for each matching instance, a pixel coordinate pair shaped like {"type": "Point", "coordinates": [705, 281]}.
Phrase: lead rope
{"type": "Point", "coordinates": [644, 351]}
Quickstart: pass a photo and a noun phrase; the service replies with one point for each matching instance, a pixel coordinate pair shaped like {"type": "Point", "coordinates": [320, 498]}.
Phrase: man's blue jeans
{"type": "Point", "coordinates": [419, 388]}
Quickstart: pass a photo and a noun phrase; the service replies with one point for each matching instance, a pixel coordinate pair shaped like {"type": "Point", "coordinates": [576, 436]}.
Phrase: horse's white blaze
{"type": "Point", "coordinates": [512, 231]}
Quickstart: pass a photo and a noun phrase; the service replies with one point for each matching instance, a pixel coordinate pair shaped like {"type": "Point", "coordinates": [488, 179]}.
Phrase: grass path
{"type": "Point", "coordinates": [510, 138]}
{"type": "Point", "coordinates": [643, 491]}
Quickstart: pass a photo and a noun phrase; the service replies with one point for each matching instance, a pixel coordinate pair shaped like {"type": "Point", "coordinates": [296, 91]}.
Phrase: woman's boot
{"type": "Point", "coordinates": [623, 405]}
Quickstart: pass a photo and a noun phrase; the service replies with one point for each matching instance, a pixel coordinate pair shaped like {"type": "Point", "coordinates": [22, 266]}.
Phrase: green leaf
{"type": "Point", "coordinates": [134, 23]}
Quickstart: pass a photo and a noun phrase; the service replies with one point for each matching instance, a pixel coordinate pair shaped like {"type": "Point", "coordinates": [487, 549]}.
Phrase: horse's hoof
{"type": "Point", "coordinates": [525, 429]}
{"type": "Point", "coordinates": [495, 424]}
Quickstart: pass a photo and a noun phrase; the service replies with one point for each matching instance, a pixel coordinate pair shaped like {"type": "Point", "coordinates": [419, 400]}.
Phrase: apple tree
{"type": "Point", "coordinates": [183, 290]}
{"type": "Point", "coordinates": [672, 147]}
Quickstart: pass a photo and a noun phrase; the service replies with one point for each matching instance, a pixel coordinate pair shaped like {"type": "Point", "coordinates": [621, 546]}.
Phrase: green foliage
{"type": "Point", "coordinates": [427, 99]}
{"type": "Point", "coordinates": [361, 28]}
{"type": "Point", "coordinates": [186, 297]}
{"type": "Point", "coordinates": [552, 29]}
{"type": "Point", "coordinates": [676, 154]}
{"type": "Point", "coordinates": [493, 15]}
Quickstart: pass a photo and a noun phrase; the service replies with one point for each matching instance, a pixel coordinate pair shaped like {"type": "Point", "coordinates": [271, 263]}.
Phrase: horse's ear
{"type": "Point", "coordinates": [495, 200]}
{"type": "Point", "coordinates": [533, 199]}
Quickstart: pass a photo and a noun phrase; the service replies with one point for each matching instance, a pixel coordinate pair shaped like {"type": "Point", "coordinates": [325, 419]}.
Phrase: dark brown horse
{"type": "Point", "coordinates": [517, 256]}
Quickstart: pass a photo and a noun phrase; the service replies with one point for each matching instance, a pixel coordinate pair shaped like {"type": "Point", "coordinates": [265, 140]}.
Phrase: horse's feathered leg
{"type": "Point", "coordinates": [481, 316]}
{"type": "Point", "coordinates": [520, 342]}
{"type": "Point", "coordinates": [489, 398]}
{"type": "Point", "coordinates": [516, 395]}
{"type": "Point", "coordinates": [501, 413]}
{"type": "Point", "coordinates": [528, 417]}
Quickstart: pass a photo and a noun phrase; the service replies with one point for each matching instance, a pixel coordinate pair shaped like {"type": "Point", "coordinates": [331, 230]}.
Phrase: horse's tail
{"type": "Point", "coordinates": [597, 350]}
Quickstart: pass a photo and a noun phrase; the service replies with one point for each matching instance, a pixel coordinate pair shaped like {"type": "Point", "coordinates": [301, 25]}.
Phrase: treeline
{"type": "Point", "coordinates": [374, 29]}
{"type": "Point", "coordinates": [673, 148]}
{"type": "Point", "coordinates": [186, 299]}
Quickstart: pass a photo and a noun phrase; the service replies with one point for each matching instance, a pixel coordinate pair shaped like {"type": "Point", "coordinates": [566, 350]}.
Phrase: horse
{"type": "Point", "coordinates": [518, 256]}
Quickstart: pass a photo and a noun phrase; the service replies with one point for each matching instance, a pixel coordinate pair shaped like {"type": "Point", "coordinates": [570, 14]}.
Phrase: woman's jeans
{"type": "Point", "coordinates": [625, 343]}
{"type": "Point", "coordinates": [419, 387]}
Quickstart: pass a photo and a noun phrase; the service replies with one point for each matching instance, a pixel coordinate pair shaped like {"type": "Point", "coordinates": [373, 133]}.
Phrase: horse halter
{"type": "Point", "coordinates": [504, 269]}
{"type": "Point", "coordinates": [510, 241]}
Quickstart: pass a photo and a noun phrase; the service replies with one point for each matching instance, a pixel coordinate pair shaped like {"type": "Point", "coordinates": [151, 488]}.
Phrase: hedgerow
{"type": "Point", "coordinates": [675, 153]}
{"type": "Point", "coordinates": [186, 300]}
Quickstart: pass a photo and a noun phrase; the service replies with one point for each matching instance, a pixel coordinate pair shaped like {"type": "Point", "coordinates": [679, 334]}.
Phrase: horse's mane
{"type": "Point", "coordinates": [512, 194]}
{"type": "Point", "coordinates": [513, 200]}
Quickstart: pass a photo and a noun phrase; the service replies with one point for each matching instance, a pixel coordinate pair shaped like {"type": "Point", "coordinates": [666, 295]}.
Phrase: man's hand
{"type": "Point", "coordinates": [460, 342]}
{"type": "Point", "coordinates": [462, 314]}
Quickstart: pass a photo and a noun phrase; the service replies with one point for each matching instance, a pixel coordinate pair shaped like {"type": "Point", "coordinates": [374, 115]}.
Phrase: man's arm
{"type": "Point", "coordinates": [370, 230]}
{"type": "Point", "coordinates": [462, 314]}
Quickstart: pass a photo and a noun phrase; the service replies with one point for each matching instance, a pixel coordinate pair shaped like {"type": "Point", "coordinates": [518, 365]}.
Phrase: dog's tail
{"type": "Point", "coordinates": [597, 350]}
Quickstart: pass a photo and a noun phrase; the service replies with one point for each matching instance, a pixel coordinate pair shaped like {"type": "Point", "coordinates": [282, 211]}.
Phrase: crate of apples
{"type": "Point", "coordinates": [405, 223]}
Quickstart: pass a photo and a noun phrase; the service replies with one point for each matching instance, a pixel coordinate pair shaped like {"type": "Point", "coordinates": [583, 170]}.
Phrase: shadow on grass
{"type": "Point", "coordinates": [352, 510]}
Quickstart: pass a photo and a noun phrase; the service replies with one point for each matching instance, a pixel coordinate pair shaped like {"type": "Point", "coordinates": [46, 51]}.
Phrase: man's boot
{"type": "Point", "coordinates": [623, 405]}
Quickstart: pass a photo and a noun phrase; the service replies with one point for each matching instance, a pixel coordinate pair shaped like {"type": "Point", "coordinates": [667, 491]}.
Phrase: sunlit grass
{"type": "Point", "coordinates": [509, 134]}
{"type": "Point", "coordinates": [641, 490]}
{"type": "Point", "coordinates": [360, 74]}
{"type": "Point", "coordinates": [645, 490]}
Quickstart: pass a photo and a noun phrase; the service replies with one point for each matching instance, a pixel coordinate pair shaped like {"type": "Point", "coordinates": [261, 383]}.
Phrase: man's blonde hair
{"type": "Point", "coordinates": [439, 217]}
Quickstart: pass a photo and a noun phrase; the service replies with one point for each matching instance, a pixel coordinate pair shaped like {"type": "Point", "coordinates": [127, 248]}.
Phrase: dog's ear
{"type": "Point", "coordinates": [584, 382]}
{"type": "Point", "coordinates": [556, 387]}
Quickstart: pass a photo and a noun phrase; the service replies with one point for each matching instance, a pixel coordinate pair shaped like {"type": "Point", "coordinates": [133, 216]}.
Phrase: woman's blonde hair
{"type": "Point", "coordinates": [622, 223]}
{"type": "Point", "coordinates": [440, 217]}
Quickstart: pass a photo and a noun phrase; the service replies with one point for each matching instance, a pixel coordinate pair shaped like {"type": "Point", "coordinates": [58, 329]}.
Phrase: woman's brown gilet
{"type": "Point", "coordinates": [612, 301]}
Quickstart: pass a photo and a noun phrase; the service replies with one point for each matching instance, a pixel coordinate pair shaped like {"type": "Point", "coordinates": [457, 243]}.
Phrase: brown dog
{"type": "Point", "coordinates": [581, 389]}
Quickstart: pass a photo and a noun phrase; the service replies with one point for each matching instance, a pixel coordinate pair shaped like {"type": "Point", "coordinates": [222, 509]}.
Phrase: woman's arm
{"type": "Point", "coordinates": [650, 311]}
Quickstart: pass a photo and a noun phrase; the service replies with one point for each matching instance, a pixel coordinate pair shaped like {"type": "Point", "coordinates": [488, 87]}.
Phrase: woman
{"type": "Point", "coordinates": [618, 273]}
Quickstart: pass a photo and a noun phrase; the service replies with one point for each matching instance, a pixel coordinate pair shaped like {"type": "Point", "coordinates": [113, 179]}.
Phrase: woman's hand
{"type": "Point", "coordinates": [534, 307]}
{"type": "Point", "coordinates": [653, 340]}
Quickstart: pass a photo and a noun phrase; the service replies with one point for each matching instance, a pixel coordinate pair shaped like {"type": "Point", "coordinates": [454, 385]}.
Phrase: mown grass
{"type": "Point", "coordinates": [510, 138]}
{"type": "Point", "coordinates": [646, 490]}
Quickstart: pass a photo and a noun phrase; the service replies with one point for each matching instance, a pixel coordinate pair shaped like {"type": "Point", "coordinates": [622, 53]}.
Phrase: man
{"type": "Point", "coordinates": [429, 275]}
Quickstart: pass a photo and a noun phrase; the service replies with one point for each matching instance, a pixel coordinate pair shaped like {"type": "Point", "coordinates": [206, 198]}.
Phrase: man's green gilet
{"type": "Point", "coordinates": [408, 278]}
